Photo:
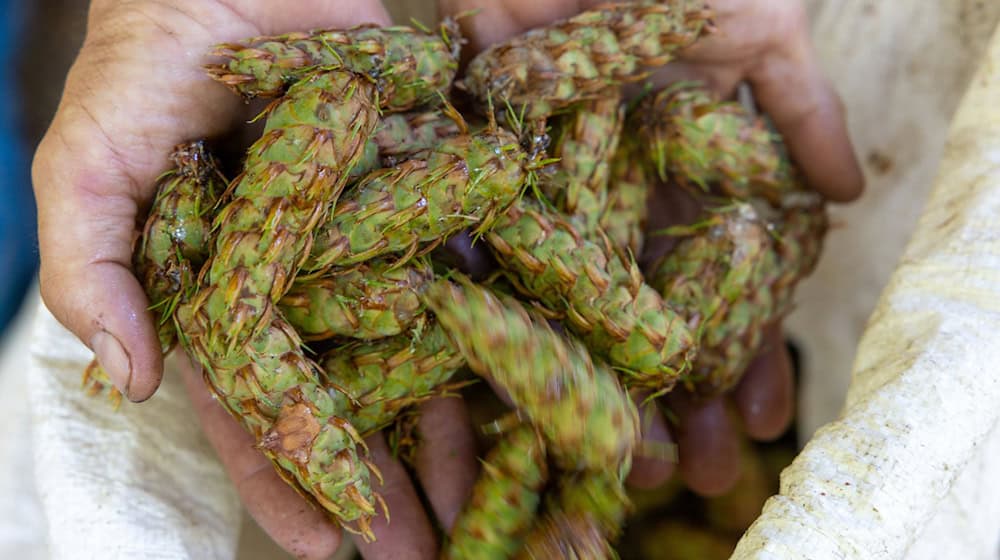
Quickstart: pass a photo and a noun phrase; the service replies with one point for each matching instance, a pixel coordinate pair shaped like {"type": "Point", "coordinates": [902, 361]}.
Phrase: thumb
{"type": "Point", "coordinates": [87, 224]}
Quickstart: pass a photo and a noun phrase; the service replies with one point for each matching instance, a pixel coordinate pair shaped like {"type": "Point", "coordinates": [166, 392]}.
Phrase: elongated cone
{"type": "Point", "coordinates": [253, 360]}
{"type": "Point", "coordinates": [401, 135]}
{"type": "Point", "coordinates": [624, 219]}
{"type": "Point", "coordinates": [602, 294]}
{"type": "Point", "coordinates": [692, 137]}
{"type": "Point", "coordinates": [173, 244]}
{"type": "Point", "coordinates": [376, 380]}
{"type": "Point", "coordinates": [410, 67]}
{"type": "Point", "coordinates": [466, 181]}
{"type": "Point", "coordinates": [587, 419]}
{"type": "Point", "coordinates": [585, 145]}
{"type": "Point", "coordinates": [581, 520]}
{"type": "Point", "coordinates": [551, 68]}
{"type": "Point", "coordinates": [734, 273]}
{"type": "Point", "coordinates": [370, 301]}
{"type": "Point", "coordinates": [504, 499]}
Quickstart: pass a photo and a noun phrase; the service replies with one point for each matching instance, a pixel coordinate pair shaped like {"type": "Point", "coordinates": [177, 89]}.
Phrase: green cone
{"type": "Point", "coordinates": [549, 69]}
{"type": "Point", "coordinates": [601, 293]}
{"type": "Point", "coordinates": [466, 181]}
{"type": "Point", "coordinates": [410, 67]}
{"type": "Point", "coordinates": [587, 420]}
{"type": "Point", "coordinates": [504, 499]}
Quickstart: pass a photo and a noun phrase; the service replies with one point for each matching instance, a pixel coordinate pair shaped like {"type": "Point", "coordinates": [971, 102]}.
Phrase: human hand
{"type": "Point", "coordinates": [767, 45]}
{"type": "Point", "coordinates": [137, 89]}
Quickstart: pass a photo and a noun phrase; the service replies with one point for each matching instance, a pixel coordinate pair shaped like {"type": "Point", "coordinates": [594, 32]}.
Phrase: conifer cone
{"type": "Point", "coordinates": [585, 57]}
{"type": "Point", "coordinates": [376, 380]}
{"type": "Point", "coordinates": [253, 360]}
{"type": "Point", "coordinates": [173, 245]}
{"type": "Point", "coordinates": [466, 181]}
{"type": "Point", "coordinates": [694, 138]}
{"type": "Point", "coordinates": [411, 67]}
{"type": "Point", "coordinates": [370, 301]}
{"type": "Point", "coordinates": [586, 142]}
{"type": "Point", "coordinates": [581, 520]}
{"type": "Point", "coordinates": [602, 293]}
{"type": "Point", "coordinates": [587, 419]}
{"type": "Point", "coordinates": [401, 135]}
{"type": "Point", "coordinates": [504, 500]}
{"type": "Point", "coordinates": [624, 219]}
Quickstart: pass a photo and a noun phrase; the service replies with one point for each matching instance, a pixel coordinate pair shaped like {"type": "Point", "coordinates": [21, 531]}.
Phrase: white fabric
{"type": "Point", "coordinates": [924, 400]}
{"type": "Point", "coordinates": [141, 482]}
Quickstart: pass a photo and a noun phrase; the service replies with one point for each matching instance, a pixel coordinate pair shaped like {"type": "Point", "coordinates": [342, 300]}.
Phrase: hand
{"type": "Point", "coordinates": [767, 45]}
{"type": "Point", "coordinates": [136, 90]}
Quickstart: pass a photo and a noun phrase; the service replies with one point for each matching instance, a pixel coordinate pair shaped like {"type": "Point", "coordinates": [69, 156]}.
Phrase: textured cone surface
{"type": "Point", "coordinates": [411, 67]}
{"type": "Point", "coordinates": [504, 500]}
{"type": "Point", "coordinates": [466, 181]}
{"type": "Point", "coordinates": [587, 420]}
{"type": "Point", "coordinates": [253, 359]}
{"type": "Point", "coordinates": [551, 68]}
{"type": "Point", "coordinates": [401, 135]}
{"type": "Point", "coordinates": [733, 274]}
{"type": "Point", "coordinates": [370, 301]}
{"type": "Point", "coordinates": [691, 137]}
{"type": "Point", "coordinates": [376, 380]}
{"type": "Point", "coordinates": [174, 243]}
{"type": "Point", "coordinates": [624, 219]}
{"type": "Point", "coordinates": [581, 520]}
{"type": "Point", "coordinates": [601, 292]}
{"type": "Point", "coordinates": [585, 145]}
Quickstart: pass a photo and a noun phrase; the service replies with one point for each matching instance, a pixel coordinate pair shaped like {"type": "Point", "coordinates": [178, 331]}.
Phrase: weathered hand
{"type": "Point", "coordinates": [767, 45]}
{"type": "Point", "coordinates": [136, 89]}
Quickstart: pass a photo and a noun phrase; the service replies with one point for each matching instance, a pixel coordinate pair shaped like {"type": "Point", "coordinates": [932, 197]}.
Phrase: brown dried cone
{"type": "Point", "coordinates": [600, 292]}
{"type": "Point", "coordinates": [585, 57]}
{"type": "Point", "coordinates": [465, 181]}
{"type": "Point", "coordinates": [585, 143]}
{"type": "Point", "coordinates": [369, 301]}
{"type": "Point", "coordinates": [374, 381]}
{"type": "Point", "coordinates": [253, 360]}
{"type": "Point", "coordinates": [587, 419]}
{"type": "Point", "coordinates": [504, 500]}
{"type": "Point", "coordinates": [624, 219]}
{"type": "Point", "coordinates": [173, 245]}
{"type": "Point", "coordinates": [692, 137]}
{"type": "Point", "coordinates": [581, 521]}
{"type": "Point", "coordinates": [411, 67]}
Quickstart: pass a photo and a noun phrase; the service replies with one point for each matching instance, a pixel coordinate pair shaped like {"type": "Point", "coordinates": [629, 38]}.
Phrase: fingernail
{"type": "Point", "coordinates": [114, 359]}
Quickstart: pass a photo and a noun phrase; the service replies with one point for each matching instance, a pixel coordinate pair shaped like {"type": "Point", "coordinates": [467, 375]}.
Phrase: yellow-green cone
{"type": "Point", "coordinates": [587, 419]}
{"type": "Point", "coordinates": [585, 57]}
{"type": "Point", "coordinates": [411, 67]}
{"type": "Point", "coordinates": [601, 292]}
{"type": "Point", "coordinates": [253, 360]}
{"type": "Point", "coordinates": [504, 500]}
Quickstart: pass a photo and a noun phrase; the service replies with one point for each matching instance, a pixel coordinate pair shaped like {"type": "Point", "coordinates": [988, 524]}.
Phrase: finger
{"type": "Point", "coordinates": [446, 456]}
{"type": "Point", "coordinates": [85, 274]}
{"type": "Point", "coordinates": [495, 21]}
{"type": "Point", "coordinates": [657, 459]}
{"type": "Point", "coordinates": [285, 516]}
{"type": "Point", "coordinates": [790, 87]}
{"type": "Point", "coordinates": [408, 532]}
{"type": "Point", "coordinates": [765, 397]}
{"type": "Point", "coordinates": [313, 14]}
{"type": "Point", "coordinates": [707, 444]}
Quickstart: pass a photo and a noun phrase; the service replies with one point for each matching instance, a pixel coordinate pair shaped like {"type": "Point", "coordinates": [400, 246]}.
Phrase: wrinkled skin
{"type": "Point", "coordinates": [100, 158]}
